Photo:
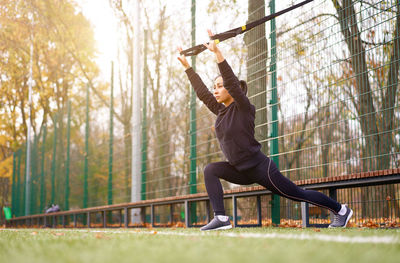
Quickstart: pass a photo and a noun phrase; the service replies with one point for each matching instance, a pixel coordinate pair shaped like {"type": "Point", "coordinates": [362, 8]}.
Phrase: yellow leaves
{"type": "Point", "coordinates": [4, 139]}
{"type": "Point", "coordinates": [63, 46]}
{"type": "Point", "coordinates": [6, 168]}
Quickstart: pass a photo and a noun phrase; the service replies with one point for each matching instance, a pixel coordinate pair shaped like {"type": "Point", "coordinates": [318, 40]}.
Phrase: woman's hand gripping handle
{"type": "Point", "coordinates": [182, 59]}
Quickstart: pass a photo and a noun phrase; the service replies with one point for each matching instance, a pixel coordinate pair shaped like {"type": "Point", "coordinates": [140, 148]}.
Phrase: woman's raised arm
{"type": "Point", "coordinates": [231, 82]}
{"type": "Point", "coordinates": [199, 87]}
{"type": "Point", "coordinates": [182, 59]}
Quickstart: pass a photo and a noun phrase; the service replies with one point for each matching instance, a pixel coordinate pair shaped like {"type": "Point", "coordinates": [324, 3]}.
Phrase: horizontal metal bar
{"type": "Point", "coordinates": [369, 181]}
{"type": "Point", "coordinates": [389, 179]}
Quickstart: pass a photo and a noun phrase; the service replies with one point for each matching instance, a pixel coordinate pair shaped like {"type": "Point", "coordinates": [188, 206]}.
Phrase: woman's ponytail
{"type": "Point", "coordinates": [243, 86]}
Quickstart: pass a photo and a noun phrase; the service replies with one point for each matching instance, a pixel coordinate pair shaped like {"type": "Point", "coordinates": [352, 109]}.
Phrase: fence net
{"type": "Point", "coordinates": [323, 78]}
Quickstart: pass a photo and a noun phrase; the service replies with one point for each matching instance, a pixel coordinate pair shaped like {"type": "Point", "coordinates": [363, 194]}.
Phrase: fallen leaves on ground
{"type": "Point", "coordinates": [101, 236]}
{"type": "Point", "coordinates": [58, 234]}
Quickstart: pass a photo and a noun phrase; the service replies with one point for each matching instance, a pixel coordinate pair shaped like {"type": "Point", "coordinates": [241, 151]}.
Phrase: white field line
{"type": "Point", "coordinates": [301, 236]}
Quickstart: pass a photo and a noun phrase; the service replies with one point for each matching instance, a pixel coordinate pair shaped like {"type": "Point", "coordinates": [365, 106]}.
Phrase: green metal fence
{"type": "Point", "coordinates": [323, 78]}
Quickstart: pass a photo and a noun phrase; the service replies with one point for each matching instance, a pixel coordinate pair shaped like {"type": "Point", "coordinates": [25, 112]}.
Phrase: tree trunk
{"type": "Point", "coordinates": [389, 99]}
{"type": "Point", "coordinates": [365, 104]}
{"type": "Point", "coordinates": [378, 142]}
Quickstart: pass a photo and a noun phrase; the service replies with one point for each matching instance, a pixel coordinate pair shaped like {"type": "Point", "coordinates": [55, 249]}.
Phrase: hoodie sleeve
{"type": "Point", "coordinates": [232, 84]}
{"type": "Point", "coordinates": [202, 91]}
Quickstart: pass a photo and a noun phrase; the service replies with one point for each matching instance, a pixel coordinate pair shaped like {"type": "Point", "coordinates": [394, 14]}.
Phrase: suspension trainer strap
{"type": "Point", "coordinates": [239, 30]}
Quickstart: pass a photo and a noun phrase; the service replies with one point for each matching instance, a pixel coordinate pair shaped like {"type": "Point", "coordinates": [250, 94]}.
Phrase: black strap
{"type": "Point", "coordinates": [239, 30]}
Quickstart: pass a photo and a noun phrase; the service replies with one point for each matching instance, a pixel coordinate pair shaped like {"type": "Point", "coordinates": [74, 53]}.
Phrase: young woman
{"type": "Point", "coordinates": [246, 164]}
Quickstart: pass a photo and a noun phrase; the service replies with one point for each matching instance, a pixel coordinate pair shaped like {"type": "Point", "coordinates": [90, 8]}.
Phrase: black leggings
{"type": "Point", "coordinates": [266, 174]}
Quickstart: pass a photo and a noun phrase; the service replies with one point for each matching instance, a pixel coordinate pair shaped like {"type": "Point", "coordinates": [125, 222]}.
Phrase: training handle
{"type": "Point", "coordinates": [193, 51]}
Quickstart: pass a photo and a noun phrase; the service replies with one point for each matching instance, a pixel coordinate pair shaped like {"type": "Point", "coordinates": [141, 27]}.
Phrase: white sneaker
{"type": "Point", "coordinates": [341, 221]}
{"type": "Point", "coordinates": [217, 224]}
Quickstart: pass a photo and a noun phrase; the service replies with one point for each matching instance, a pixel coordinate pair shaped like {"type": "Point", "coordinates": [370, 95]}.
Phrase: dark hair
{"type": "Point", "coordinates": [217, 77]}
{"type": "Point", "coordinates": [243, 84]}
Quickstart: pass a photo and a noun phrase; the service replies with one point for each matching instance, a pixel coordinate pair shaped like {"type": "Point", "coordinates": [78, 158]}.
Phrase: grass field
{"type": "Point", "coordinates": [191, 245]}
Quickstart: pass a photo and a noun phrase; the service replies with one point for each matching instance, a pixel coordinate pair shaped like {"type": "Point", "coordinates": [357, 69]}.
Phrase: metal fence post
{"type": "Point", "coordinates": [208, 216]}
{"type": "Point", "coordinates": [152, 215]}
{"type": "Point", "coordinates": [187, 214]}
{"type": "Point", "coordinates": [86, 164]}
{"type": "Point", "coordinates": [42, 173]}
{"type": "Point", "coordinates": [304, 214]}
{"type": "Point", "coordinates": [66, 201]}
{"type": "Point", "coordinates": [126, 217]}
{"type": "Point", "coordinates": [171, 213]}
{"type": "Point", "coordinates": [33, 183]}
{"type": "Point", "coordinates": [13, 186]}
{"type": "Point", "coordinates": [193, 127]}
{"type": "Point", "coordinates": [259, 212]}
{"type": "Point", "coordinates": [274, 112]}
{"type": "Point", "coordinates": [18, 190]}
{"type": "Point", "coordinates": [120, 217]}
{"type": "Point", "coordinates": [53, 161]}
{"type": "Point", "coordinates": [110, 154]}
{"type": "Point", "coordinates": [88, 219]}
{"type": "Point", "coordinates": [234, 210]}
{"type": "Point", "coordinates": [333, 195]}
{"type": "Point", "coordinates": [144, 123]}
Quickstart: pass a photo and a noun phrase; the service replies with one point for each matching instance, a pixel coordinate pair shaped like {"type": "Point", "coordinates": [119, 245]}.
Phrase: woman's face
{"type": "Point", "coordinates": [220, 93]}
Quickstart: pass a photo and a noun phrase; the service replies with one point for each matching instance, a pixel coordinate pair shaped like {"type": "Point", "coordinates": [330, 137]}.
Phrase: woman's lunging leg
{"type": "Point", "coordinates": [212, 174]}
{"type": "Point", "coordinates": [273, 179]}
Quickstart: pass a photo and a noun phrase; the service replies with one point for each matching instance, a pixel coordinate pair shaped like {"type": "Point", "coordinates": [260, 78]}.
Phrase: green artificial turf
{"type": "Point", "coordinates": [191, 245]}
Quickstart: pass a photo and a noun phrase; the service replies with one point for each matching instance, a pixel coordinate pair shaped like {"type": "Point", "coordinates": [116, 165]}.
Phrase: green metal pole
{"type": "Point", "coordinates": [193, 142]}
{"type": "Point", "coordinates": [14, 185]}
{"type": "Point", "coordinates": [144, 123]}
{"type": "Point", "coordinates": [24, 212]}
{"type": "Point", "coordinates": [53, 162]}
{"type": "Point", "coordinates": [34, 159]}
{"type": "Point", "coordinates": [86, 168]}
{"type": "Point", "coordinates": [18, 196]}
{"type": "Point", "coordinates": [110, 156]}
{"type": "Point", "coordinates": [42, 175]}
{"type": "Point", "coordinates": [275, 204]}
{"type": "Point", "coordinates": [111, 142]}
{"type": "Point", "coordinates": [67, 162]}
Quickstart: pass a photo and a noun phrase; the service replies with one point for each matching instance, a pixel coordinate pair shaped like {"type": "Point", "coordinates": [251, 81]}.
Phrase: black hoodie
{"type": "Point", "coordinates": [234, 125]}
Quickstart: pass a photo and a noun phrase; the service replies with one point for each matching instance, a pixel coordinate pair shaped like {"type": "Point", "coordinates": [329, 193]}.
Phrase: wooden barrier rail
{"type": "Point", "coordinates": [389, 176]}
